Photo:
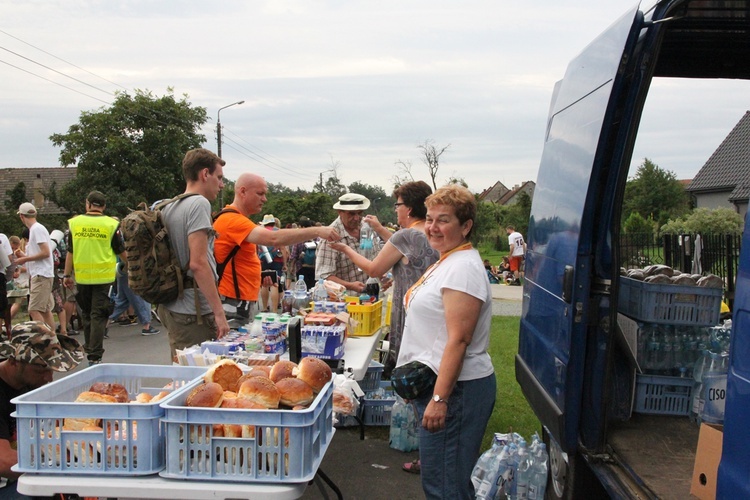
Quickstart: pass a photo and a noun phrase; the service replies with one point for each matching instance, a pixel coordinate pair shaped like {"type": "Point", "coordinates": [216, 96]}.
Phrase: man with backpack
{"type": "Point", "coordinates": [302, 257]}
{"type": "Point", "coordinates": [94, 242]}
{"type": "Point", "coordinates": [237, 237]}
{"type": "Point", "coordinates": [196, 315]}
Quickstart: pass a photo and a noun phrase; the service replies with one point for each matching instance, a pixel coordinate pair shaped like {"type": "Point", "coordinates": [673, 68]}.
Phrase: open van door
{"type": "Point", "coordinates": [569, 365]}
{"type": "Point", "coordinates": [572, 195]}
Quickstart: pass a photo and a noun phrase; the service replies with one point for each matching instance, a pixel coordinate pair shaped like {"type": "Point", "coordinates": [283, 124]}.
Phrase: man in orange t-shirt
{"type": "Point", "coordinates": [235, 228]}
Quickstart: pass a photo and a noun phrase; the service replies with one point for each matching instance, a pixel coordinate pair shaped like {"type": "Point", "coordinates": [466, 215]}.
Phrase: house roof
{"type": "Point", "coordinates": [510, 195]}
{"type": "Point", "coordinates": [494, 192]}
{"type": "Point", "coordinates": [39, 178]}
{"type": "Point", "coordinates": [728, 168]}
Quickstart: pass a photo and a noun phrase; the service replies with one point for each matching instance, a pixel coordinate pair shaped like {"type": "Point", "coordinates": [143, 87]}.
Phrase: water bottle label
{"type": "Point", "coordinates": [714, 395]}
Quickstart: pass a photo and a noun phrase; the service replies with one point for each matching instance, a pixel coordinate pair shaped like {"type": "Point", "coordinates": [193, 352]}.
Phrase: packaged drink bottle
{"type": "Point", "coordinates": [286, 302]}
{"type": "Point", "coordinates": [523, 475]}
{"type": "Point", "coordinates": [319, 291]}
{"type": "Point", "coordinates": [265, 254]}
{"type": "Point", "coordinates": [372, 288]}
{"type": "Point", "coordinates": [300, 300]}
{"type": "Point", "coordinates": [715, 389]}
{"type": "Point", "coordinates": [484, 464]}
{"type": "Point", "coordinates": [696, 407]}
{"type": "Point", "coordinates": [256, 329]}
{"type": "Point", "coordinates": [538, 478]}
{"type": "Point", "coordinates": [491, 469]}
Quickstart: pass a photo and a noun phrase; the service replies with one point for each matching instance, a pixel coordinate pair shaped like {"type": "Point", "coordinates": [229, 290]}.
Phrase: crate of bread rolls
{"type": "Point", "coordinates": [270, 425]}
{"type": "Point", "coordinates": [103, 420]}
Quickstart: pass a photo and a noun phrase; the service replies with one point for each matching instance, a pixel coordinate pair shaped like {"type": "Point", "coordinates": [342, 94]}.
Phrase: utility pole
{"type": "Point", "coordinates": [218, 142]}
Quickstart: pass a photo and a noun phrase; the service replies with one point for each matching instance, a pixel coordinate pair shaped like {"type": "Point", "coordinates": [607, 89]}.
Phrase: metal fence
{"type": "Point", "coordinates": [718, 254]}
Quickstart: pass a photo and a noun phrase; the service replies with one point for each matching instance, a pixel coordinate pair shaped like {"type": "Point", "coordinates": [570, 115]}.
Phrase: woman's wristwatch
{"type": "Point", "coordinates": [438, 399]}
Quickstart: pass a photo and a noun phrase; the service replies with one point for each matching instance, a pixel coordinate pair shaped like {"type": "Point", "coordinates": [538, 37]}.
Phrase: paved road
{"type": "Point", "coordinates": [362, 469]}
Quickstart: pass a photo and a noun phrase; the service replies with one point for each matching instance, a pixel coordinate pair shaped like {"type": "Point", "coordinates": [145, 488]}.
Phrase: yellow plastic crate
{"type": "Point", "coordinates": [369, 318]}
{"type": "Point", "coordinates": [388, 310]}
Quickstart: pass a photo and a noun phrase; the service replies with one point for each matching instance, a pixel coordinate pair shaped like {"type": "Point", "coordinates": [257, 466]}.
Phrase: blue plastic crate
{"type": "Point", "coordinates": [281, 445]}
{"type": "Point", "coordinates": [377, 411]}
{"type": "Point", "coordinates": [662, 395]}
{"type": "Point", "coordinates": [669, 304]}
{"type": "Point", "coordinates": [130, 443]}
{"type": "Point", "coordinates": [371, 380]}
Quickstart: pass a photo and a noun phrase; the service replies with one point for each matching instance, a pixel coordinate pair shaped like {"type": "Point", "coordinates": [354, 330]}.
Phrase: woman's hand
{"type": "Point", "coordinates": [434, 416]}
{"type": "Point", "coordinates": [373, 222]}
{"type": "Point", "coordinates": [338, 246]}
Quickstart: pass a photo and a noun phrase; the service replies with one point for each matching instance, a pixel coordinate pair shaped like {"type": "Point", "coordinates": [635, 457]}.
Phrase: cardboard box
{"type": "Point", "coordinates": [707, 458]}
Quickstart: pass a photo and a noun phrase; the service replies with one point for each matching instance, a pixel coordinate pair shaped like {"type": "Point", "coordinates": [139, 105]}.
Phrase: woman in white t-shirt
{"type": "Point", "coordinates": [448, 314]}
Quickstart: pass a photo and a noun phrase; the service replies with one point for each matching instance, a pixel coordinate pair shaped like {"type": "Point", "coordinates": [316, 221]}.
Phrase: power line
{"type": "Point", "coordinates": [269, 162]}
{"type": "Point", "coordinates": [264, 161]}
{"type": "Point", "coordinates": [61, 59]}
{"type": "Point", "coordinates": [52, 81]}
{"type": "Point", "coordinates": [56, 71]}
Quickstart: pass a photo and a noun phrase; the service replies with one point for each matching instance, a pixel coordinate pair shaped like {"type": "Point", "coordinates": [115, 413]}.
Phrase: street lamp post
{"type": "Point", "coordinates": [218, 142]}
{"type": "Point", "coordinates": [218, 126]}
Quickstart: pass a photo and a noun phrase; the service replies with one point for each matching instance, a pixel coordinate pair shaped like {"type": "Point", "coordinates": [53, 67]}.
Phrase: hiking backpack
{"type": "Point", "coordinates": [221, 266]}
{"type": "Point", "coordinates": [308, 255]}
{"type": "Point", "coordinates": [154, 271]}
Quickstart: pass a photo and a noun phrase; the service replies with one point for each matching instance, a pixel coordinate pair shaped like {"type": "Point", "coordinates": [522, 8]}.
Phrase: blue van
{"type": "Point", "coordinates": [571, 364]}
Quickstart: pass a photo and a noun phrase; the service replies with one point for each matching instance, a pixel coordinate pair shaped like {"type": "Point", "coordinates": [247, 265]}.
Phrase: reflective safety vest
{"type": "Point", "coordinates": [94, 261]}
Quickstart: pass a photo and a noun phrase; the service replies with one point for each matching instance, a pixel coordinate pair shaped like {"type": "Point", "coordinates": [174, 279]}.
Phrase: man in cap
{"type": "Point", "coordinates": [336, 266]}
{"type": "Point", "coordinates": [240, 282]}
{"type": "Point", "coordinates": [30, 356]}
{"type": "Point", "coordinates": [94, 242]}
{"type": "Point", "coordinates": [39, 264]}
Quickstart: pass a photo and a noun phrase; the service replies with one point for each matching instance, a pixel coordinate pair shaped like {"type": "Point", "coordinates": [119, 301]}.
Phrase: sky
{"type": "Point", "coordinates": [355, 85]}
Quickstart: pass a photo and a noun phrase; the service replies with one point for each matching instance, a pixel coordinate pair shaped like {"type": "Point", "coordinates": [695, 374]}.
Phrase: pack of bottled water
{"type": "Point", "coordinates": [404, 433]}
{"type": "Point", "coordinates": [511, 469]}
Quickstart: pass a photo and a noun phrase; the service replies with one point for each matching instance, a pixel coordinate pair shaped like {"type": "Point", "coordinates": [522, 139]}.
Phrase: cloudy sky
{"type": "Point", "coordinates": [358, 84]}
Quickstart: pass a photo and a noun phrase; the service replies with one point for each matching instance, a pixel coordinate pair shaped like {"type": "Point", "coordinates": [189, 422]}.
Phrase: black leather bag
{"type": "Point", "coordinates": [413, 380]}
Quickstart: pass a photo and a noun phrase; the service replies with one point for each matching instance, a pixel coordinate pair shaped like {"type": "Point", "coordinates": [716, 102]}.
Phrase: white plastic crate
{"type": "Point", "coordinates": [286, 445]}
{"type": "Point", "coordinates": [662, 395]}
{"type": "Point", "coordinates": [131, 441]}
{"type": "Point", "coordinates": [377, 411]}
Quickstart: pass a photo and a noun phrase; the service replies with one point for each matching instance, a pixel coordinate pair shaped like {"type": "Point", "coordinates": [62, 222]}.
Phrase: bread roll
{"type": "Point", "coordinates": [118, 391]}
{"type": "Point", "coordinates": [225, 373]}
{"type": "Point", "coordinates": [260, 390]}
{"type": "Point", "coordinates": [241, 403]}
{"type": "Point", "coordinates": [143, 397]}
{"type": "Point", "coordinates": [252, 373]}
{"type": "Point", "coordinates": [315, 372]}
{"type": "Point", "coordinates": [206, 395]}
{"type": "Point", "coordinates": [160, 396]}
{"type": "Point", "coordinates": [95, 397]}
{"type": "Point", "coordinates": [282, 369]}
{"type": "Point", "coordinates": [79, 424]}
{"type": "Point", "coordinates": [293, 392]}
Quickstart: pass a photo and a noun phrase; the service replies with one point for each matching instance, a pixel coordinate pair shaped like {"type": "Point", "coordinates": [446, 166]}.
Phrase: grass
{"type": "Point", "coordinates": [511, 412]}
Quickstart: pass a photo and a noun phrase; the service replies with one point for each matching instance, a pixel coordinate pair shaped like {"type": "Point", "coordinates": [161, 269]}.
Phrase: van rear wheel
{"type": "Point", "coordinates": [557, 485]}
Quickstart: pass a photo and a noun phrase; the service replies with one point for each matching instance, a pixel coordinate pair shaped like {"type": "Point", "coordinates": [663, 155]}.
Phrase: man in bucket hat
{"type": "Point", "coordinates": [336, 266]}
{"type": "Point", "coordinates": [29, 358]}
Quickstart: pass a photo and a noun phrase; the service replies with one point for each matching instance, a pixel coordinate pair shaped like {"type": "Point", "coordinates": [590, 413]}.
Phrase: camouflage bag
{"type": "Point", "coordinates": [154, 271]}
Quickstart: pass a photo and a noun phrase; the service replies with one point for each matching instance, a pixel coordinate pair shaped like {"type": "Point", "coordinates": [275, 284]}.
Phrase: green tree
{"type": "Point", "coordinates": [132, 151]}
{"type": "Point", "coordinates": [635, 223]}
{"type": "Point", "coordinates": [706, 221]}
{"type": "Point", "coordinates": [655, 193]}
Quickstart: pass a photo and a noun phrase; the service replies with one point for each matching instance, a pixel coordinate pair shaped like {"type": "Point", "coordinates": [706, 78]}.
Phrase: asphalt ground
{"type": "Point", "coordinates": [361, 469]}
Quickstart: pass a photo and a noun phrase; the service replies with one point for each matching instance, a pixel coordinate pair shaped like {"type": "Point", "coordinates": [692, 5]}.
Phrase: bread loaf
{"type": "Point", "coordinates": [315, 372]}
{"type": "Point", "coordinates": [117, 391]}
{"type": "Point", "coordinates": [225, 373]}
{"type": "Point", "coordinates": [282, 369]}
{"type": "Point", "coordinates": [206, 395]}
{"type": "Point", "coordinates": [293, 392]}
{"type": "Point", "coordinates": [260, 390]}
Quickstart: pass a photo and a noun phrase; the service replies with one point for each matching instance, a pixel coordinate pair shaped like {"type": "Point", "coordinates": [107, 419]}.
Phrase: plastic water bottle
{"type": "Point", "coordinates": [300, 296]}
{"type": "Point", "coordinates": [715, 389]}
{"type": "Point", "coordinates": [286, 302]}
{"type": "Point", "coordinates": [319, 291]}
{"type": "Point", "coordinates": [523, 474]}
{"type": "Point", "coordinates": [402, 417]}
{"type": "Point", "coordinates": [486, 470]}
{"type": "Point", "coordinates": [265, 254]}
{"type": "Point", "coordinates": [538, 477]}
{"type": "Point", "coordinates": [256, 329]}
{"type": "Point", "coordinates": [412, 428]}
{"type": "Point", "coordinates": [696, 407]}
{"type": "Point", "coordinates": [502, 476]}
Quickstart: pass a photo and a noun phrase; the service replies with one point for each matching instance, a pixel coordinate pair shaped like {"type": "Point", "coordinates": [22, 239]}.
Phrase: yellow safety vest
{"type": "Point", "coordinates": [94, 260]}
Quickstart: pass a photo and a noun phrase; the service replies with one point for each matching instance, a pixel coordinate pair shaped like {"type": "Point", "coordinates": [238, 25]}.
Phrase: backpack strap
{"type": "Point", "coordinates": [220, 267]}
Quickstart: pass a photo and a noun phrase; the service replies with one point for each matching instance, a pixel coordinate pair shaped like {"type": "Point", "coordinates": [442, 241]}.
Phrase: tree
{"type": "Point", "coordinates": [131, 151]}
{"type": "Point", "coordinates": [403, 174]}
{"type": "Point", "coordinates": [706, 221]}
{"type": "Point", "coordinates": [431, 158]}
{"type": "Point", "coordinates": [655, 193]}
{"type": "Point", "coordinates": [381, 204]}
